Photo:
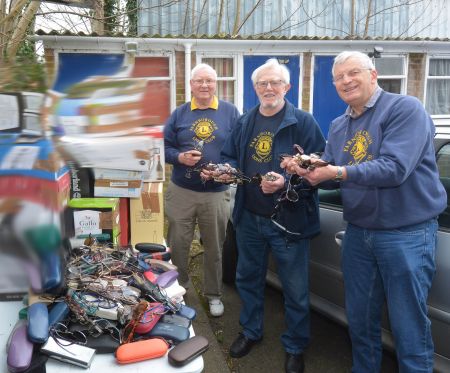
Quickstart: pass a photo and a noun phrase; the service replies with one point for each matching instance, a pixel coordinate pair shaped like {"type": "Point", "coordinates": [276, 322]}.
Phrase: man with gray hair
{"type": "Point", "coordinates": [273, 216]}
{"type": "Point", "coordinates": [195, 133]}
{"type": "Point", "coordinates": [383, 159]}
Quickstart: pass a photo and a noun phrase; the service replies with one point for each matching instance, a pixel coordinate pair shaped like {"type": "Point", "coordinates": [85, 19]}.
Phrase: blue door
{"type": "Point", "coordinates": [252, 62]}
{"type": "Point", "coordinates": [327, 105]}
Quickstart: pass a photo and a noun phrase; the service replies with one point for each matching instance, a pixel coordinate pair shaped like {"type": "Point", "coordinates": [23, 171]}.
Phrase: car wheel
{"type": "Point", "coordinates": [229, 256]}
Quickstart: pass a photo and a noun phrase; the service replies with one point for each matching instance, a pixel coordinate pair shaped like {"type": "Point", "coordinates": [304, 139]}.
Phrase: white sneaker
{"type": "Point", "coordinates": [215, 307]}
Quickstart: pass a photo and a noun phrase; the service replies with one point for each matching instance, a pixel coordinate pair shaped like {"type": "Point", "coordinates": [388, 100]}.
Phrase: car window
{"type": "Point", "coordinates": [443, 161]}
{"type": "Point", "coordinates": [330, 197]}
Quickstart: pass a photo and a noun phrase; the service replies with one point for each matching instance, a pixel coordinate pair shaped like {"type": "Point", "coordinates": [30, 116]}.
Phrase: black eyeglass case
{"type": "Point", "coordinates": [144, 247]}
{"type": "Point", "coordinates": [187, 351]}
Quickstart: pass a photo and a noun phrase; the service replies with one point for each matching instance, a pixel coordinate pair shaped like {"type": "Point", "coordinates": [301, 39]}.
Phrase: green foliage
{"type": "Point", "coordinates": [110, 10]}
{"type": "Point", "coordinates": [25, 73]}
{"type": "Point", "coordinates": [132, 17]}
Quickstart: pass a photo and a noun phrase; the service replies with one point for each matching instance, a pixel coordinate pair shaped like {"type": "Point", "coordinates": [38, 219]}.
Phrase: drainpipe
{"type": "Point", "coordinates": [187, 71]}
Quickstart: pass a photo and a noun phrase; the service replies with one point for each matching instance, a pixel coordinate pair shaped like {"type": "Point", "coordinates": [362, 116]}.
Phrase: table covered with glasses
{"type": "Point", "coordinates": [112, 299]}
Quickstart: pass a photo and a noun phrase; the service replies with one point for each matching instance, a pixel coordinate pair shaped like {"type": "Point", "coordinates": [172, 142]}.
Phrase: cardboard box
{"type": "Point", "coordinates": [52, 194]}
{"type": "Point", "coordinates": [81, 181]}
{"type": "Point", "coordinates": [97, 216]}
{"type": "Point", "coordinates": [156, 173]}
{"type": "Point", "coordinates": [105, 173]}
{"type": "Point", "coordinates": [30, 156]}
{"type": "Point", "coordinates": [118, 188]}
{"type": "Point", "coordinates": [147, 215]}
{"type": "Point", "coordinates": [123, 153]}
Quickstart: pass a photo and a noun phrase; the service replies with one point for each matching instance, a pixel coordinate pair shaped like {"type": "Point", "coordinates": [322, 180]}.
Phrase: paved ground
{"type": "Point", "coordinates": [329, 351]}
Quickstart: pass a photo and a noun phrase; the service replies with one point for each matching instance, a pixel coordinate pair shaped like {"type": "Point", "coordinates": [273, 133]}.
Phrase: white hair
{"type": "Point", "coordinates": [272, 64]}
{"type": "Point", "coordinates": [363, 59]}
{"type": "Point", "coordinates": [203, 66]}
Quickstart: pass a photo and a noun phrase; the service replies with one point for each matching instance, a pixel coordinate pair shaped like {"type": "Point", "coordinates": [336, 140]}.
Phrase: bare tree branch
{"type": "Point", "coordinates": [247, 17]}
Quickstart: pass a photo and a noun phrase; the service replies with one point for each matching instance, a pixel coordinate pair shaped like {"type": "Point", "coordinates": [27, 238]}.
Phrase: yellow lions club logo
{"type": "Point", "coordinates": [263, 147]}
{"type": "Point", "coordinates": [204, 129]}
{"type": "Point", "coordinates": [358, 147]}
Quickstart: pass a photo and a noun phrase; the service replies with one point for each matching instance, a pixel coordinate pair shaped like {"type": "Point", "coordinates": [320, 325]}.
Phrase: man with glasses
{"type": "Point", "coordinates": [195, 133]}
{"type": "Point", "coordinates": [259, 138]}
{"type": "Point", "coordinates": [384, 162]}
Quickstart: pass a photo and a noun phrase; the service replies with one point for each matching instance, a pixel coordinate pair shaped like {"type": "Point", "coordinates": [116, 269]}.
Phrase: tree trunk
{"type": "Point", "coordinates": [237, 17]}
{"type": "Point", "coordinates": [219, 18]}
{"type": "Point", "coordinates": [98, 25]}
{"type": "Point", "coordinates": [20, 31]}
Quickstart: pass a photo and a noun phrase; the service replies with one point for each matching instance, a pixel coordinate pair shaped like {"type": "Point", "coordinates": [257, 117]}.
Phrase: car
{"type": "Point", "coordinates": [326, 279]}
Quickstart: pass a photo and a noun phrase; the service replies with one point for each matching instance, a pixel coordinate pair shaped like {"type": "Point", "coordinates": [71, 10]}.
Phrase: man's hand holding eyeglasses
{"type": "Point", "coordinates": [272, 184]}
{"type": "Point", "coordinates": [316, 175]}
{"type": "Point", "coordinates": [190, 157]}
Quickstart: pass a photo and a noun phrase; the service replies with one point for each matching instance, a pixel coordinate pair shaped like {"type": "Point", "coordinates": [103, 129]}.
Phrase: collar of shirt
{"type": "Point", "coordinates": [372, 100]}
{"type": "Point", "coordinates": [213, 105]}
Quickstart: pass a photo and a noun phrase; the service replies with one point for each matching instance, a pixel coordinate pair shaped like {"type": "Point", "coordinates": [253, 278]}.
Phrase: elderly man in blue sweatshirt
{"type": "Point", "coordinates": [383, 158]}
{"type": "Point", "coordinates": [195, 133]}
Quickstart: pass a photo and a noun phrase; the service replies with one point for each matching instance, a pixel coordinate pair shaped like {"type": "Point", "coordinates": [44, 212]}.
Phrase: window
{"type": "Point", "coordinates": [391, 73]}
{"type": "Point", "coordinates": [226, 76]}
{"type": "Point", "coordinates": [443, 162]}
{"type": "Point", "coordinates": [438, 86]}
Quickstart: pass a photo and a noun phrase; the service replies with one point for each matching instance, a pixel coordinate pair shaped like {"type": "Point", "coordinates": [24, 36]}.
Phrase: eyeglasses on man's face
{"type": "Point", "coordinates": [263, 84]}
{"type": "Point", "coordinates": [350, 74]}
{"type": "Point", "coordinates": [208, 82]}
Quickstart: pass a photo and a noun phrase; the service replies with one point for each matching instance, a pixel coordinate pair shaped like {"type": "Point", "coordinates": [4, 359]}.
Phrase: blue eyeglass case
{"type": "Point", "coordinates": [170, 332]}
{"type": "Point", "coordinates": [38, 323]}
{"type": "Point", "coordinates": [58, 312]}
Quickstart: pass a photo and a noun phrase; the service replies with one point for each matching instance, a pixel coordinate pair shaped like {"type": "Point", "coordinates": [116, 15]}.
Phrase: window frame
{"type": "Point", "coordinates": [403, 77]}
{"type": "Point", "coordinates": [444, 117]}
{"type": "Point", "coordinates": [200, 55]}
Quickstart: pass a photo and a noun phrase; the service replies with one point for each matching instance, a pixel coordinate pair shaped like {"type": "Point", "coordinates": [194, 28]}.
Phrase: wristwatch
{"type": "Point", "coordinates": [339, 174]}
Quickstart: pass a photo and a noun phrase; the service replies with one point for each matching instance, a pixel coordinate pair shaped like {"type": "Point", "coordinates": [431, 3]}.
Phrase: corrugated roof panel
{"type": "Point", "coordinates": [426, 18]}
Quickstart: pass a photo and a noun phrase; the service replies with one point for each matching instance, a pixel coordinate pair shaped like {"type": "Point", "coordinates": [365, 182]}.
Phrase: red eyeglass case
{"type": "Point", "coordinates": [141, 350]}
{"type": "Point", "coordinates": [150, 318]}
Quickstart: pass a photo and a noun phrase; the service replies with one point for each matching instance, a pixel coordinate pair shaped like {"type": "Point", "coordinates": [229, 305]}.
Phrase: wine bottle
{"type": "Point", "coordinates": [159, 168]}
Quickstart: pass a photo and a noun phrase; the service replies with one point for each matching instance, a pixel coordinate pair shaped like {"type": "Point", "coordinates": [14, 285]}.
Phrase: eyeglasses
{"type": "Point", "coordinates": [208, 82]}
{"type": "Point", "coordinates": [289, 194]}
{"type": "Point", "coordinates": [263, 84]}
{"type": "Point", "coordinates": [350, 74]}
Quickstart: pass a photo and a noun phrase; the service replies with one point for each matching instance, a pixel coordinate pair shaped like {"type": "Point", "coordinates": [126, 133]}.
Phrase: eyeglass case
{"type": "Point", "coordinates": [167, 278]}
{"type": "Point", "coordinates": [38, 323]}
{"type": "Point", "coordinates": [20, 349]}
{"type": "Point", "coordinates": [144, 247]}
{"type": "Point", "coordinates": [187, 312]}
{"type": "Point", "coordinates": [176, 319]}
{"type": "Point", "coordinates": [170, 332]}
{"type": "Point", "coordinates": [150, 318]}
{"type": "Point", "coordinates": [141, 350]}
{"type": "Point", "coordinates": [58, 312]}
{"type": "Point", "coordinates": [187, 351]}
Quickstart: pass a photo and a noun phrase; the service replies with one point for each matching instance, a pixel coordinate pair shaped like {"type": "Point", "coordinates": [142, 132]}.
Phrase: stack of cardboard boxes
{"type": "Point", "coordinates": [116, 156]}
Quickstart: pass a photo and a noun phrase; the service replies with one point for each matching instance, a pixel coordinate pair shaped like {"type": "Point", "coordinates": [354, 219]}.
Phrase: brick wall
{"type": "Point", "coordinates": [306, 88]}
{"type": "Point", "coordinates": [416, 75]}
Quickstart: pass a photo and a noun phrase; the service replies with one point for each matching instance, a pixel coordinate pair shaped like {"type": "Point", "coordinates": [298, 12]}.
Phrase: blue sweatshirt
{"type": "Point", "coordinates": [185, 128]}
{"type": "Point", "coordinates": [392, 176]}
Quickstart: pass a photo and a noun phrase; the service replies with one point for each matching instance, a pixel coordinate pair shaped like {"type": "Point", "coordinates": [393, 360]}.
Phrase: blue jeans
{"type": "Point", "coordinates": [396, 265]}
{"type": "Point", "coordinates": [255, 236]}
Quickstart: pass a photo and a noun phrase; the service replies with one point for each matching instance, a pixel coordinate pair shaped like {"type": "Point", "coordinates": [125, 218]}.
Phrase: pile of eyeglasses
{"type": "Point", "coordinates": [111, 296]}
{"type": "Point", "coordinates": [304, 160]}
{"type": "Point", "coordinates": [234, 176]}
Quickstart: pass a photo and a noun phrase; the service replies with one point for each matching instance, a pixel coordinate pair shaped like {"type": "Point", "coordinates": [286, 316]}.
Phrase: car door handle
{"type": "Point", "coordinates": [338, 237]}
